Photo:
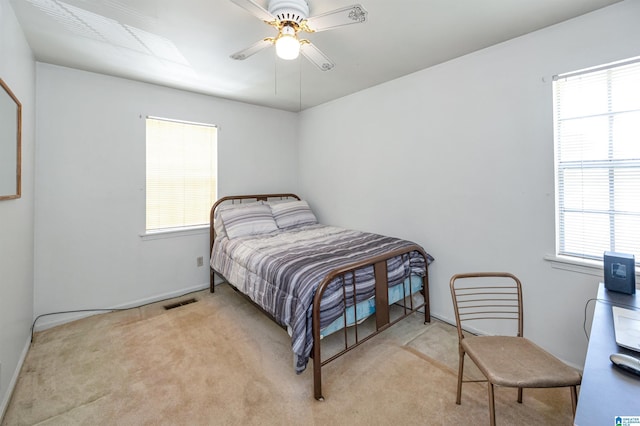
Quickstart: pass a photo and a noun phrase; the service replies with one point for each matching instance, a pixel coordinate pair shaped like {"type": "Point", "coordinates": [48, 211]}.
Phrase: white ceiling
{"type": "Point", "coordinates": [186, 43]}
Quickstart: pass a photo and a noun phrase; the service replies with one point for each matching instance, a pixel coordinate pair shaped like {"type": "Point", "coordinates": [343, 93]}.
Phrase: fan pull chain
{"type": "Point", "coordinates": [275, 75]}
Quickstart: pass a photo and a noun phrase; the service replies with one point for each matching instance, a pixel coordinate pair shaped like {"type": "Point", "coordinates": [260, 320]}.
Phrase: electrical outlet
{"type": "Point", "coordinates": [200, 261]}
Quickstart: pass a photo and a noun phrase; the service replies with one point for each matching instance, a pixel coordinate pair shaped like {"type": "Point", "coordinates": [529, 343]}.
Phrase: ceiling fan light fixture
{"type": "Point", "coordinates": [291, 17]}
{"type": "Point", "coordinates": [287, 44]}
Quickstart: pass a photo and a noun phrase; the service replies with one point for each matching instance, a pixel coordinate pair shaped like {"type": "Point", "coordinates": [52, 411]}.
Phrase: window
{"type": "Point", "coordinates": [597, 141]}
{"type": "Point", "coordinates": [181, 173]}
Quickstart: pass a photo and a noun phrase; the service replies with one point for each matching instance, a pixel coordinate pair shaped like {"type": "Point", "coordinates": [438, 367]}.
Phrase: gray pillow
{"type": "Point", "coordinates": [251, 219]}
{"type": "Point", "coordinates": [293, 213]}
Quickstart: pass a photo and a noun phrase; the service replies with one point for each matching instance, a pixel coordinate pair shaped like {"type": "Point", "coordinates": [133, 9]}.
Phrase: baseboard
{"type": "Point", "coordinates": [217, 279]}
{"type": "Point", "coordinates": [14, 379]}
{"type": "Point", "coordinates": [59, 319]}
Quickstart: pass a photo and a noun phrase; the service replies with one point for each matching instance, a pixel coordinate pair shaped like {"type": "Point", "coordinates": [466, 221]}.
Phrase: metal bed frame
{"type": "Point", "coordinates": [383, 318]}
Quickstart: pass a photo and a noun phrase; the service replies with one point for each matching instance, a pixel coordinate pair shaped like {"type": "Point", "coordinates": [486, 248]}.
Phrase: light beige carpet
{"type": "Point", "coordinates": [220, 361]}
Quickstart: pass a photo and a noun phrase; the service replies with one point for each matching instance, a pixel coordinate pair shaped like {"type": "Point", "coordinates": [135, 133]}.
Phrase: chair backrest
{"type": "Point", "coordinates": [493, 296]}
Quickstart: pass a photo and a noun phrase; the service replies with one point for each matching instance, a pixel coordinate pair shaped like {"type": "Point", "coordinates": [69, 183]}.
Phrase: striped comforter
{"type": "Point", "coordinates": [281, 271]}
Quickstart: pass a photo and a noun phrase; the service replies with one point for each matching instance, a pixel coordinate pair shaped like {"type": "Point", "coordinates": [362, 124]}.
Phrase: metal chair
{"type": "Point", "coordinates": [507, 358]}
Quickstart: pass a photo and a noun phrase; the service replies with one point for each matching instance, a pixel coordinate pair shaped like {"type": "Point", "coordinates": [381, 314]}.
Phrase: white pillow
{"type": "Point", "coordinates": [218, 224]}
{"type": "Point", "coordinates": [251, 219]}
{"type": "Point", "coordinates": [293, 213]}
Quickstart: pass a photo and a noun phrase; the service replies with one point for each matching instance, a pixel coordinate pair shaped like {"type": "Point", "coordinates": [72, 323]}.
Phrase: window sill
{"type": "Point", "coordinates": [589, 267]}
{"type": "Point", "coordinates": [175, 232]}
{"type": "Point", "coordinates": [583, 266]}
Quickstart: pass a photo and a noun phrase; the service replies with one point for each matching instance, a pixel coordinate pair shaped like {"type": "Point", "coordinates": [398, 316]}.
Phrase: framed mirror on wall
{"type": "Point", "coordinates": [10, 144]}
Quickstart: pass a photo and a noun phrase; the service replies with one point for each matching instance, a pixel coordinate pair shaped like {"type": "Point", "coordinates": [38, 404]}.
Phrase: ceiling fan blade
{"type": "Point", "coordinates": [253, 49]}
{"type": "Point", "coordinates": [314, 54]}
{"type": "Point", "coordinates": [354, 14]}
{"type": "Point", "coordinates": [255, 9]}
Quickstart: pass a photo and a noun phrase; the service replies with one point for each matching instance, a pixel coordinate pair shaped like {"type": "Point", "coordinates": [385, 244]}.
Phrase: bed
{"type": "Point", "coordinates": [315, 280]}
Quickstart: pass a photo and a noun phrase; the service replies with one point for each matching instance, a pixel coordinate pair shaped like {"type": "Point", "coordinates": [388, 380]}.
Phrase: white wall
{"type": "Point", "coordinates": [459, 158]}
{"type": "Point", "coordinates": [90, 181]}
{"type": "Point", "coordinates": [17, 69]}
{"type": "Point", "coordinates": [467, 143]}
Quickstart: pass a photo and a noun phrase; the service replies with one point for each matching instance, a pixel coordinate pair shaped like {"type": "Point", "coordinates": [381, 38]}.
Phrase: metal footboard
{"type": "Point", "coordinates": [382, 315]}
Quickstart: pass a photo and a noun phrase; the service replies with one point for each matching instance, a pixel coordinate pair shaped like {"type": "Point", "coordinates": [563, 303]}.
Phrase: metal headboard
{"type": "Point", "coordinates": [238, 199]}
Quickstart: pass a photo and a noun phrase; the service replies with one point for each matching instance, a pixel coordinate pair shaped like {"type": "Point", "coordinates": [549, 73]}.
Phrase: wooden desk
{"type": "Point", "coordinates": [606, 391]}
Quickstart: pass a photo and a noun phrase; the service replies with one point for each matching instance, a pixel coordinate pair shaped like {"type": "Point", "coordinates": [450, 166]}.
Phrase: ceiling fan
{"type": "Point", "coordinates": [290, 17]}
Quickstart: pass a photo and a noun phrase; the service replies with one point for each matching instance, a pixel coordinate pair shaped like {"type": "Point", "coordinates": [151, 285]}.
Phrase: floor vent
{"type": "Point", "coordinates": [180, 303]}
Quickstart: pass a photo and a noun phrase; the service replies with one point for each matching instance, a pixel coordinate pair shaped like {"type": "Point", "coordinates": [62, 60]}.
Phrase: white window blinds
{"type": "Point", "coordinates": [597, 140]}
{"type": "Point", "coordinates": [181, 173]}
